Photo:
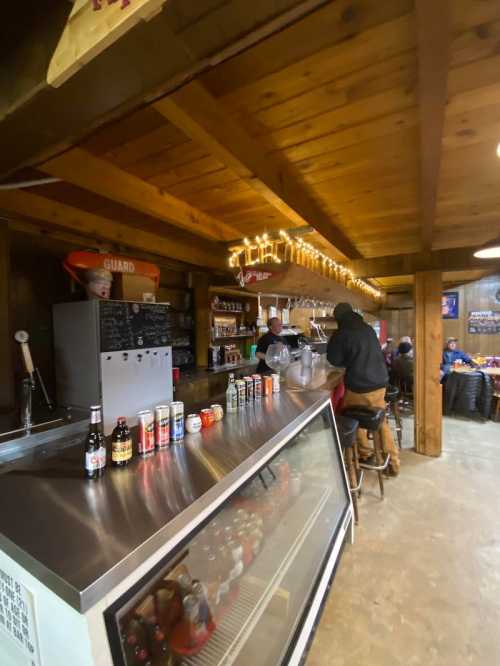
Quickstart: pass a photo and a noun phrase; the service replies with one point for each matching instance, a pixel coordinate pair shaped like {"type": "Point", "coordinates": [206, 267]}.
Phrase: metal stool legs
{"type": "Point", "coordinates": [399, 423]}
{"type": "Point", "coordinates": [380, 464]}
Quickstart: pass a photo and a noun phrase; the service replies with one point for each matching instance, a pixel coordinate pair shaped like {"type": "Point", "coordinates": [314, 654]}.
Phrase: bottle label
{"type": "Point", "coordinates": [102, 456]}
{"type": "Point", "coordinates": [92, 460]}
{"type": "Point", "coordinates": [121, 451]}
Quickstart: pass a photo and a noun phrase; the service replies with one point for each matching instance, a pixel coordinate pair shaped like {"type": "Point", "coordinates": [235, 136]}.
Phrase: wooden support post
{"type": "Point", "coordinates": [6, 372]}
{"type": "Point", "coordinates": [201, 318]}
{"type": "Point", "coordinates": [428, 351]}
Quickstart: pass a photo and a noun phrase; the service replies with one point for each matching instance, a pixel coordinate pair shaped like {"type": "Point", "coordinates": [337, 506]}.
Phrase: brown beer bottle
{"type": "Point", "coordinates": [121, 444]}
{"type": "Point", "coordinates": [95, 446]}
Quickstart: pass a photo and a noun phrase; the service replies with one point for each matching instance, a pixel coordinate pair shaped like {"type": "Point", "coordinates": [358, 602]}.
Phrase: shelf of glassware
{"type": "Point", "coordinates": [238, 590]}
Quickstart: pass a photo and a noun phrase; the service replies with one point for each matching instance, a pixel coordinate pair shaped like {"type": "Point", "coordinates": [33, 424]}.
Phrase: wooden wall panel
{"type": "Point", "coordinates": [479, 295]}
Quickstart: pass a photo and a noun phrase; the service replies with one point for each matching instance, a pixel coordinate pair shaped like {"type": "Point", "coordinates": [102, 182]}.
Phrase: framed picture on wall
{"type": "Point", "coordinates": [449, 305]}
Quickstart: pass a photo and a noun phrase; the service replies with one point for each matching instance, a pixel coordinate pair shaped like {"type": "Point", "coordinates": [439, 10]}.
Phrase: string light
{"type": "Point", "coordinates": [268, 250]}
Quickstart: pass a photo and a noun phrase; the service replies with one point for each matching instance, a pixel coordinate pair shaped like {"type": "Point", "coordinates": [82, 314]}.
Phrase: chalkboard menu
{"type": "Point", "coordinates": [125, 325]}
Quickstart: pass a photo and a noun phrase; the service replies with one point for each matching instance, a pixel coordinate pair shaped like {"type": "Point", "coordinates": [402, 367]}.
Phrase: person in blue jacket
{"type": "Point", "coordinates": [452, 354]}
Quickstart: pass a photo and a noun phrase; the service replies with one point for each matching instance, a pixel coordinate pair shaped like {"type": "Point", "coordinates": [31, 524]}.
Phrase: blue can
{"type": "Point", "coordinates": [176, 421]}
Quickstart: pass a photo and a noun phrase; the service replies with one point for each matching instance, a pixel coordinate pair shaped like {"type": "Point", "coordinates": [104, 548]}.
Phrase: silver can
{"type": "Point", "coordinates": [249, 388]}
{"type": "Point", "coordinates": [241, 388]}
{"type": "Point", "coordinates": [276, 383]}
{"type": "Point", "coordinates": [257, 387]}
{"type": "Point", "coordinates": [162, 426]}
{"type": "Point", "coordinates": [176, 421]}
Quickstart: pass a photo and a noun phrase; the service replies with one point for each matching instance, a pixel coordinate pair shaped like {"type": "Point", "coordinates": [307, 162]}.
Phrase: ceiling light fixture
{"type": "Point", "coordinates": [498, 150]}
{"type": "Point", "coordinates": [490, 250]}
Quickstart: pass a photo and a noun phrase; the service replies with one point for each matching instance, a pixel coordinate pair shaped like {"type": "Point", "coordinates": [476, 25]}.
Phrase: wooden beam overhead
{"type": "Point", "coordinates": [81, 168]}
{"type": "Point", "coordinates": [433, 43]}
{"type": "Point", "coordinates": [195, 111]}
{"type": "Point", "coordinates": [17, 203]}
{"type": "Point", "coordinates": [455, 259]}
{"type": "Point", "coordinates": [55, 118]}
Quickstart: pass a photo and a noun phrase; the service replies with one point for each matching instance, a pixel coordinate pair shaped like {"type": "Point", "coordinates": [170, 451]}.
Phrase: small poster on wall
{"type": "Point", "coordinates": [484, 322]}
{"type": "Point", "coordinates": [449, 305]}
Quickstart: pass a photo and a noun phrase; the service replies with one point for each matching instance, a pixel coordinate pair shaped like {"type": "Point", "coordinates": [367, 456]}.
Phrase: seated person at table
{"type": "Point", "coordinates": [402, 367]}
{"type": "Point", "coordinates": [452, 354]}
{"type": "Point", "coordinates": [273, 335]}
{"type": "Point", "coordinates": [355, 347]}
{"type": "Point", "coordinates": [405, 339]}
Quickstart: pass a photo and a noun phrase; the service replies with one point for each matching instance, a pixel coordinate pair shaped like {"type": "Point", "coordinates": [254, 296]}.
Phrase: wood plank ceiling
{"type": "Point", "coordinates": [333, 101]}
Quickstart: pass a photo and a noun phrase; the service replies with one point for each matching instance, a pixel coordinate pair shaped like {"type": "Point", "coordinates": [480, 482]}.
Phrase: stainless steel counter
{"type": "Point", "coordinates": [80, 537]}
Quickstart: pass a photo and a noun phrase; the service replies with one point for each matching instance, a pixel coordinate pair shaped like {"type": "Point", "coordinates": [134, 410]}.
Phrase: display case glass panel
{"type": "Point", "coordinates": [237, 590]}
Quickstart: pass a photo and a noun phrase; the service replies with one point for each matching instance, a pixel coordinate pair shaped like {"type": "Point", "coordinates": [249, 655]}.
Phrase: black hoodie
{"type": "Point", "coordinates": [355, 347]}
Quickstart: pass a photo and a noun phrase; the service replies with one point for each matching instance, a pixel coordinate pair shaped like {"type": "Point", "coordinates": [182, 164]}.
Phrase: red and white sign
{"type": "Point", "coordinates": [111, 262]}
{"type": "Point", "coordinates": [251, 275]}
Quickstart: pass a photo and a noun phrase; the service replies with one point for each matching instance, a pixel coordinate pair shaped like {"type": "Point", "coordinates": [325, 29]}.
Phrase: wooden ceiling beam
{"type": "Point", "coordinates": [456, 259]}
{"type": "Point", "coordinates": [81, 168]}
{"type": "Point", "coordinates": [433, 44]}
{"type": "Point", "coordinates": [20, 204]}
{"type": "Point", "coordinates": [195, 111]}
{"type": "Point", "coordinates": [39, 121]}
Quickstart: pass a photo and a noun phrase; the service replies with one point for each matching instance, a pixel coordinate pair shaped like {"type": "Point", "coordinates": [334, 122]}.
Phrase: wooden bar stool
{"type": "Point", "coordinates": [371, 418]}
{"type": "Point", "coordinates": [392, 400]}
{"type": "Point", "coordinates": [347, 432]}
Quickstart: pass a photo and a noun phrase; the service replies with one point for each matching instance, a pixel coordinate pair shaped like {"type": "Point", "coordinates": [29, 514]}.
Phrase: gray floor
{"type": "Point", "coordinates": [421, 585]}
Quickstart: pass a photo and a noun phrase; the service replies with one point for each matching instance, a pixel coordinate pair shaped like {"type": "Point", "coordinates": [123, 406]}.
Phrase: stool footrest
{"type": "Point", "coordinates": [360, 483]}
{"type": "Point", "coordinates": [376, 468]}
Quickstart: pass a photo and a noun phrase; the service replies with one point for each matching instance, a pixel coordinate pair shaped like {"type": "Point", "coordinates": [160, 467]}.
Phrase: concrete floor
{"type": "Point", "coordinates": [421, 585]}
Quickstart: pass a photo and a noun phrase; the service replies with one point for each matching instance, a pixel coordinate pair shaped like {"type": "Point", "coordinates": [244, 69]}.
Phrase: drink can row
{"type": "Point", "coordinates": [162, 426]}
{"type": "Point", "coordinates": [159, 429]}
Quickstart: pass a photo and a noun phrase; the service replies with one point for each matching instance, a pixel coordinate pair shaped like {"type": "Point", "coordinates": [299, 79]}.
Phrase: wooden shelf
{"type": "Point", "coordinates": [228, 337]}
{"type": "Point", "coordinates": [228, 311]}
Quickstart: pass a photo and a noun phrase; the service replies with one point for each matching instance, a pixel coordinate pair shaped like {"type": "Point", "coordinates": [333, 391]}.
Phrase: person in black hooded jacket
{"type": "Point", "coordinates": [355, 347]}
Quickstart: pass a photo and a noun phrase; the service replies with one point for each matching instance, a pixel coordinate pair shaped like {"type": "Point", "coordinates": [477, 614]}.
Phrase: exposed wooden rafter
{"type": "Point", "coordinates": [17, 203]}
{"type": "Point", "coordinates": [433, 42]}
{"type": "Point", "coordinates": [81, 168]}
{"type": "Point", "coordinates": [455, 259]}
{"type": "Point", "coordinates": [195, 111]}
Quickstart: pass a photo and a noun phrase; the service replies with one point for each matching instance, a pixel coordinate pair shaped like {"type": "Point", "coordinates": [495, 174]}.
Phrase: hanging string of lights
{"type": "Point", "coordinates": [283, 248]}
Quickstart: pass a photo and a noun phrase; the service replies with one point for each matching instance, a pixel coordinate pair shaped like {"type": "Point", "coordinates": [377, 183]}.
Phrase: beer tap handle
{"type": "Point", "coordinates": [22, 338]}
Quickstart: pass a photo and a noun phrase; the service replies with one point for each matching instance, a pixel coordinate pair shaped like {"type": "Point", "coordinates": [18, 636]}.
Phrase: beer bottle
{"type": "Point", "coordinates": [231, 395]}
{"type": "Point", "coordinates": [121, 444]}
{"type": "Point", "coordinates": [95, 448]}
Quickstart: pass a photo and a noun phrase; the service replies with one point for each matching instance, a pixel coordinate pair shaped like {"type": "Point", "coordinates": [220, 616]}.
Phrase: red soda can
{"type": "Point", "coordinates": [146, 423]}
{"type": "Point", "coordinates": [162, 426]}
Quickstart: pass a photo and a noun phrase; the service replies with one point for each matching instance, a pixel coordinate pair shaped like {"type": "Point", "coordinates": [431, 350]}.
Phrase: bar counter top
{"type": "Point", "coordinates": [81, 537]}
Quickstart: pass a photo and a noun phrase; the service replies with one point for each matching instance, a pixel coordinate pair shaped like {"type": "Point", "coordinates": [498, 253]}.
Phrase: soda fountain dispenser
{"type": "Point", "coordinates": [113, 353]}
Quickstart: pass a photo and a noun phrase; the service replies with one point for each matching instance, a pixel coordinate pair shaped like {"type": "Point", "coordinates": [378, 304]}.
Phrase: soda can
{"type": "Point", "coordinates": [267, 384]}
{"type": "Point", "coordinates": [146, 441]}
{"type": "Point", "coordinates": [241, 388]}
{"type": "Point", "coordinates": [162, 426]}
{"type": "Point", "coordinates": [257, 387]}
{"type": "Point", "coordinates": [276, 383]}
{"type": "Point", "coordinates": [176, 421]}
{"type": "Point", "coordinates": [249, 388]}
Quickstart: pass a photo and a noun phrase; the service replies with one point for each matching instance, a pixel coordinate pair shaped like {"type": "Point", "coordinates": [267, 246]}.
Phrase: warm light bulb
{"type": "Point", "coordinates": [498, 150]}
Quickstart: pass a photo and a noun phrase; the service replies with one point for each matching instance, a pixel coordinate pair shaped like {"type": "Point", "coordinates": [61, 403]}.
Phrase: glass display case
{"type": "Point", "coordinates": [238, 589]}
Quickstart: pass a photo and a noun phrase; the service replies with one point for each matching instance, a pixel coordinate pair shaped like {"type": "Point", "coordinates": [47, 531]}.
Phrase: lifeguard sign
{"type": "Point", "coordinates": [81, 260]}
